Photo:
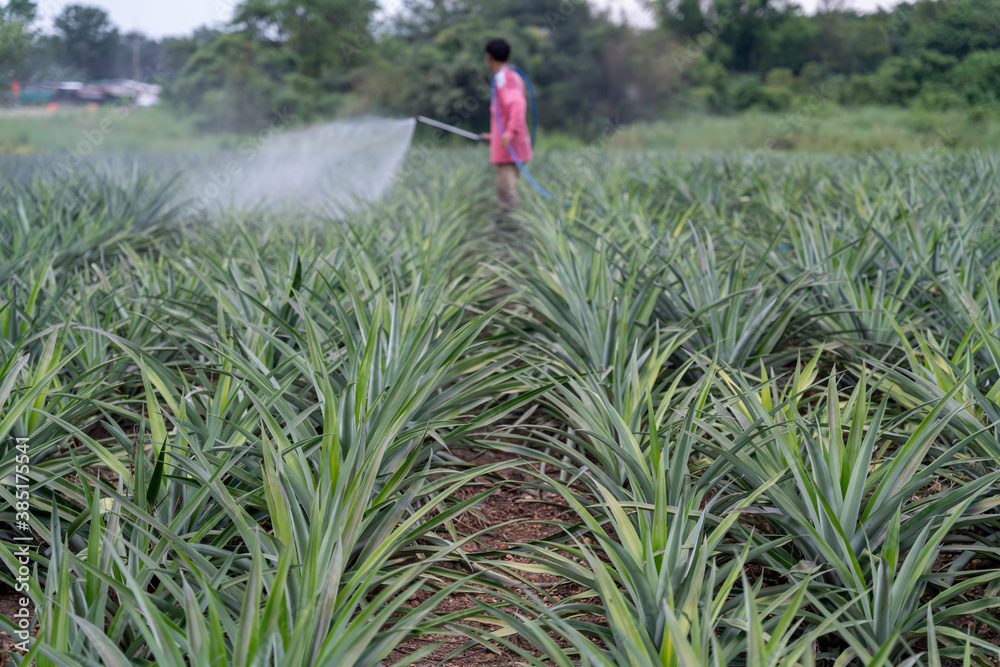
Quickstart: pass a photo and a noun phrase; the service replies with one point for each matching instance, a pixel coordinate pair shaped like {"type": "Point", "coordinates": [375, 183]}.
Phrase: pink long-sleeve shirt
{"type": "Point", "coordinates": [513, 110]}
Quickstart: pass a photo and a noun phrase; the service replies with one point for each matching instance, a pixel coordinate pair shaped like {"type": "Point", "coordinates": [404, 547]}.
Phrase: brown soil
{"type": "Point", "coordinates": [519, 518]}
{"type": "Point", "coordinates": [10, 604]}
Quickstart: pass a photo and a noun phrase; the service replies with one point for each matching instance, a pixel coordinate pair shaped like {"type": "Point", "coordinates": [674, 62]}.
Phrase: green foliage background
{"type": "Point", "coordinates": [325, 58]}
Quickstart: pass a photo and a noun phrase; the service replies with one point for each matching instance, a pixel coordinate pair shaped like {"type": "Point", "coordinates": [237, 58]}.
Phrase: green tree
{"type": "Point", "coordinates": [683, 17]}
{"type": "Point", "coordinates": [88, 40]}
{"type": "Point", "coordinates": [16, 18]}
{"type": "Point", "coordinates": [977, 78]}
{"type": "Point", "coordinates": [437, 48]}
{"type": "Point", "coordinates": [177, 51]}
{"type": "Point", "coordinates": [746, 29]}
{"type": "Point", "coordinates": [954, 27]}
{"type": "Point", "coordinates": [789, 42]}
{"type": "Point", "coordinates": [423, 19]}
{"type": "Point", "coordinates": [326, 37]}
{"type": "Point", "coordinates": [231, 83]}
{"type": "Point", "coordinates": [852, 43]}
{"type": "Point", "coordinates": [280, 57]}
{"type": "Point", "coordinates": [24, 11]}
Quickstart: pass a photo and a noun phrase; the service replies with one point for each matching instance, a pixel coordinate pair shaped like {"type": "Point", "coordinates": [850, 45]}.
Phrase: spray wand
{"type": "Point", "coordinates": [450, 128]}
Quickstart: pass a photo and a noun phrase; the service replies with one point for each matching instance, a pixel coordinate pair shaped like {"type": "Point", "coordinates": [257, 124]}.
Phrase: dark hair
{"type": "Point", "coordinates": [499, 49]}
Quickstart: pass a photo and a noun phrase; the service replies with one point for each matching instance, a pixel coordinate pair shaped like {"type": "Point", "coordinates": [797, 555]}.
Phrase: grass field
{"type": "Point", "coordinates": [732, 409]}
{"type": "Point", "coordinates": [819, 128]}
{"type": "Point", "coordinates": [813, 128]}
{"type": "Point", "coordinates": [32, 130]}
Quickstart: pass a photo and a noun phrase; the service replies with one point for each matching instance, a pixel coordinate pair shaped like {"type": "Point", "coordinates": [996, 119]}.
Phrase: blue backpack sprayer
{"type": "Point", "coordinates": [496, 108]}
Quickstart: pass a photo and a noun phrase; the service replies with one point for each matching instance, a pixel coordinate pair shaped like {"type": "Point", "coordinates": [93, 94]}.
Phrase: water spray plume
{"type": "Point", "coordinates": [333, 165]}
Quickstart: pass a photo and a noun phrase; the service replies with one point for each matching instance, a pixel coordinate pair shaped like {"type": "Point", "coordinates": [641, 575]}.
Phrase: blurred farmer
{"type": "Point", "coordinates": [509, 136]}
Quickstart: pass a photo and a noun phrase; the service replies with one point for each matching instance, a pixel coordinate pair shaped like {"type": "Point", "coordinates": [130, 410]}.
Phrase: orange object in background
{"type": "Point", "coordinates": [16, 89]}
{"type": "Point", "coordinates": [93, 106]}
{"type": "Point", "coordinates": [52, 106]}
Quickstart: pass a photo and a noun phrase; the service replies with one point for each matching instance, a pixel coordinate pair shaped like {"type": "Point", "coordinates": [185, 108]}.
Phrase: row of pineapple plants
{"type": "Point", "coordinates": [773, 386]}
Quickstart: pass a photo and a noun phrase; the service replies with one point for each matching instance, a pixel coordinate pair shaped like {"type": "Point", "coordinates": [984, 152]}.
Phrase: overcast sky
{"type": "Point", "coordinates": [159, 18]}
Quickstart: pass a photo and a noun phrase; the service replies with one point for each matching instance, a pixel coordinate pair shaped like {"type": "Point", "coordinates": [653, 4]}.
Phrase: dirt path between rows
{"type": "Point", "coordinates": [519, 518]}
{"type": "Point", "coordinates": [10, 604]}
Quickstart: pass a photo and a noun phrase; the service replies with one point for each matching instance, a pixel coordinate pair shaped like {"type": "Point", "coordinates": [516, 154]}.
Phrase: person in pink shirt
{"type": "Point", "coordinates": [515, 138]}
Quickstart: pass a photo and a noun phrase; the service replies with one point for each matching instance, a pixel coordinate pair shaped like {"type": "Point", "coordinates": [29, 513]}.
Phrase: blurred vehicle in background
{"type": "Point", "coordinates": [110, 91]}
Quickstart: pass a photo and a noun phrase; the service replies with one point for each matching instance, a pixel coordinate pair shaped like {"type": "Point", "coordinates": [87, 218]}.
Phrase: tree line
{"type": "Point", "coordinates": [322, 58]}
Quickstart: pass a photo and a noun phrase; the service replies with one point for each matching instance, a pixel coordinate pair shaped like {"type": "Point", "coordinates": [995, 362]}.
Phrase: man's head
{"type": "Point", "coordinates": [497, 53]}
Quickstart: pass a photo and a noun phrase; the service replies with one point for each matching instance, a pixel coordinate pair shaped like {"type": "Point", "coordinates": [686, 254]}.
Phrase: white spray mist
{"type": "Point", "coordinates": [330, 166]}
